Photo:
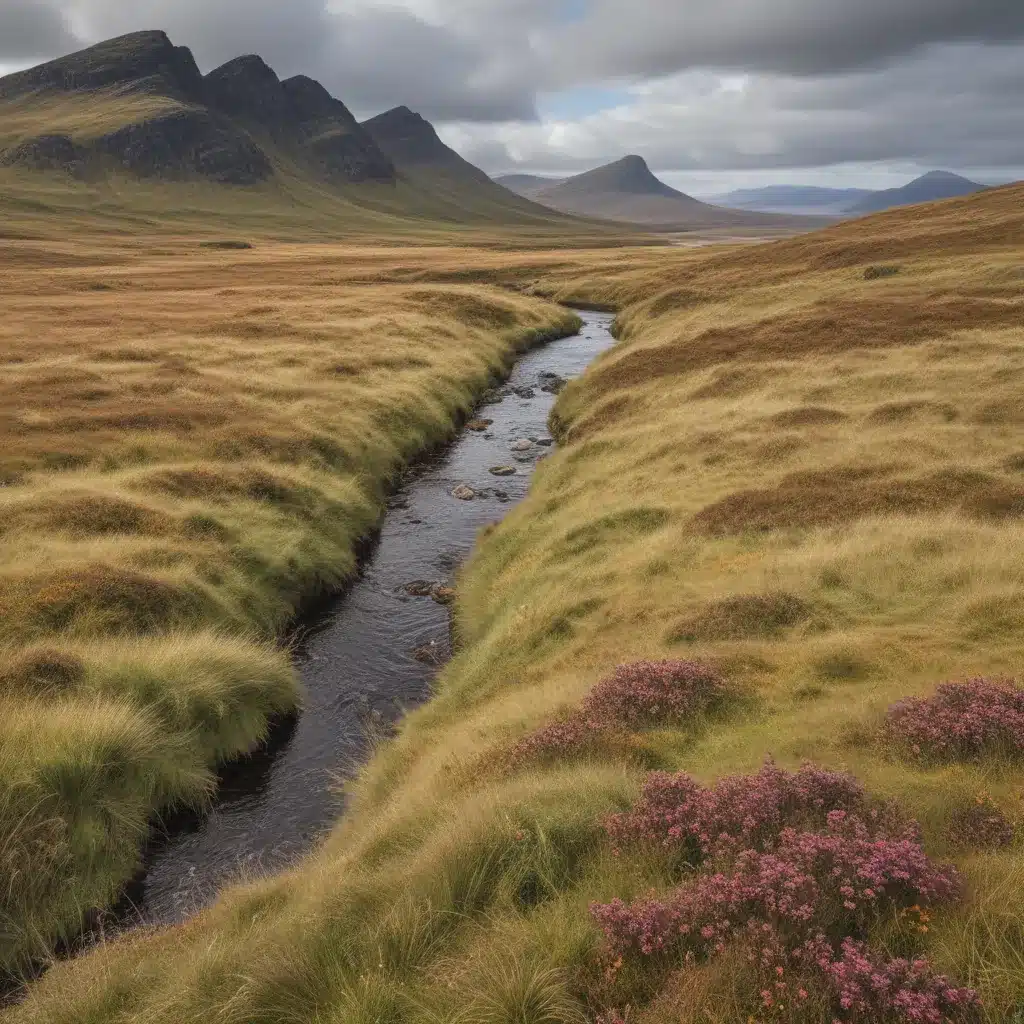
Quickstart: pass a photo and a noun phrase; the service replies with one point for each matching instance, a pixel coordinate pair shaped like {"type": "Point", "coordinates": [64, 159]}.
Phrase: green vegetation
{"type": "Point", "coordinates": [179, 475]}
{"type": "Point", "coordinates": [806, 479]}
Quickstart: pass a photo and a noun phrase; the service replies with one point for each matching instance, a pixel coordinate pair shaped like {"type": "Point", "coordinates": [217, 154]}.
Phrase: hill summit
{"type": "Point", "coordinates": [926, 189]}
{"type": "Point", "coordinates": [138, 103]}
{"type": "Point", "coordinates": [629, 176]}
{"type": "Point", "coordinates": [627, 190]}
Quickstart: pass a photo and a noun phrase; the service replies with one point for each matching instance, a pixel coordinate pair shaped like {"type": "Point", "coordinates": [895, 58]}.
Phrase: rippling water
{"type": "Point", "coordinates": [357, 662]}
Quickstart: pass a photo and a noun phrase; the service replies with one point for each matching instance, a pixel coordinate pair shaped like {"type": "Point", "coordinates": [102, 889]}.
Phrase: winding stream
{"type": "Point", "coordinates": [374, 651]}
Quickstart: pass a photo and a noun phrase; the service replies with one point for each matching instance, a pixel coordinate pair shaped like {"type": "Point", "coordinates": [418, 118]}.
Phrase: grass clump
{"type": "Point", "coordinates": [743, 617]}
{"type": "Point", "coordinates": [874, 273]}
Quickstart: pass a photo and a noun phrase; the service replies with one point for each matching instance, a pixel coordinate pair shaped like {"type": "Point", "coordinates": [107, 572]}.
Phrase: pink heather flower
{"type": "Point", "coordinates": [961, 721]}
{"type": "Point", "coordinates": [795, 890]}
{"type": "Point", "coordinates": [740, 811]}
{"type": "Point", "coordinates": [640, 694]}
{"type": "Point", "coordinates": [871, 990]}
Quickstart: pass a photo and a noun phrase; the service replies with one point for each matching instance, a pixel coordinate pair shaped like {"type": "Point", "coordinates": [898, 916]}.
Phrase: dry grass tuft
{"type": "Point", "coordinates": [744, 617]}
{"type": "Point", "coordinates": [846, 493]}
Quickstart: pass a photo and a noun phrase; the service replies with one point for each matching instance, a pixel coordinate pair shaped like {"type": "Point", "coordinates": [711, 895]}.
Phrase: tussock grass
{"type": "Point", "coordinates": [181, 468]}
{"type": "Point", "coordinates": [855, 559]}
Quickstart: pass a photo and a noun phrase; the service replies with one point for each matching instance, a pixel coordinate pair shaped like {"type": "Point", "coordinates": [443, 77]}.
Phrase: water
{"type": "Point", "coordinates": [357, 663]}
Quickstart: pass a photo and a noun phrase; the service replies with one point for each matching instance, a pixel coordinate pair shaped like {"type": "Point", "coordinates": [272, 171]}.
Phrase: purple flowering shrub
{"type": "Point", "coordinates": [795, 865]}
{"type": "Point", "coordinates": [833, 883]}
{"type": "Point", "coordinates": [871, 990]}
{"type": "Point", "coordinates": [961, 721]}
{"type": "Point", "coordinates": [740, 812]}
{"type": "Point", "coordinates": [981, 825]}
{"type": "Point", "coordinates": [653, 691]}
{"type": "Point", "coordinates": [635, 695]}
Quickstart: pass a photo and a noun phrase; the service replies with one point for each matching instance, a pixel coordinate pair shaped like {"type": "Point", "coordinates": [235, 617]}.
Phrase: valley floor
{"type": "Point", "coordinates": [800, 468]}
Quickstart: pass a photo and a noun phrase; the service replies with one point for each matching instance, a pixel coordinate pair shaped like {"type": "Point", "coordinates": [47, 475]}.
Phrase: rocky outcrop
{"type": "Point", "coordinates": [246, 88]}
{"type": "Point", "coordinates": [140, 61]}
{"type": "Point", "coordinates": [299, 115]}
{"type": "Point", "coordinates": [411, 142]}
{"type": "Point", "coordinates": [331, 137]}
{"type": "Point", "coordinates": [47, 153]}
{"type": "Point", "coordinates": [179, 144]}
{"type": "Point", "coordinates": [186, 142]}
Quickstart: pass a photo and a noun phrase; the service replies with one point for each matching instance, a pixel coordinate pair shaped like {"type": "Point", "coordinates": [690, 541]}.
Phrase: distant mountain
{"type": "Point", "coordinates": [626, 190]}
{"type": "Point", "coordinates": [138, 106]}
{"type": "Point", "coordinates": [928, 188]}
{"type": "Point", "coordinates": [527, 184]}
{"type": "Point", "coordinates": [796, 199]}
{"type": "Point", "coordinates": [423, 160]}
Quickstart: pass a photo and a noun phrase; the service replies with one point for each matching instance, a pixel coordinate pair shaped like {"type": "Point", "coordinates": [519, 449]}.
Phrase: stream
{"type": "Point", "coordinates": [372, 653]}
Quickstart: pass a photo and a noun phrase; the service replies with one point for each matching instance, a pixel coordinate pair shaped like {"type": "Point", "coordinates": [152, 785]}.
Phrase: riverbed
{"type": "Point", "coordinates": [372, 653]}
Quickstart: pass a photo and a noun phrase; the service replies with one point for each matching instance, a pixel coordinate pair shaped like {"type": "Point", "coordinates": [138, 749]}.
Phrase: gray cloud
{"type": "Point", "coordinates": [371, 56]}
{"type": "Point", "coordinates": [30, 29]}
{"type": "Point", "coordinates": [953, 106]}
{"type": "Point", "coordinates": [648, 37]}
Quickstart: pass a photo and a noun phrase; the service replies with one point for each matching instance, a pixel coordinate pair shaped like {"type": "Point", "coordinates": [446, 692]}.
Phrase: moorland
{"type": "Point", "coordinates": [789, 502]}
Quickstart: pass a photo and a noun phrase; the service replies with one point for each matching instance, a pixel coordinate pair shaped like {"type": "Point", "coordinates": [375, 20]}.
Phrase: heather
{"type": "Point", "coordinates": [739, 812]}
{"type": "Point", "coordinates": [640, 694]}
{"type": "Point", "coordinates": [961, 721]}
{"type": "Point", "coordinates": [795, 869]}
{"type": "Point", "coordinates": [871, 989]}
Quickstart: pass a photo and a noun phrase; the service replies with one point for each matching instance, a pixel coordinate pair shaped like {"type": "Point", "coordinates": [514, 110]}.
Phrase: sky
{"type": "Point", "coordinates": [715, 94]}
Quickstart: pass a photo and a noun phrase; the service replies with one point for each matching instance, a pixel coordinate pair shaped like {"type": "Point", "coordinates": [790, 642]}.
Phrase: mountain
{"type": "Point", "coordinates": [425, 162]}
{"type": "Point", "coordinates": [791, 199]}
{"type": "Point", "coordinates": [139, 103]}
{"type": "Point", "coordinates": [137, 109]}
{"type": "Point", "coordinates": [527, 185]}
{"type": "Point", "coordinates": [626, 190]}
{"type": "Point", "coordinates": [928, 188]}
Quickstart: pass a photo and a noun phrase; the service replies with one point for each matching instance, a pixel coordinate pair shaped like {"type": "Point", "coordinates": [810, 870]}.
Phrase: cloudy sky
{"type": "Point", "coordinates": [714, 93]}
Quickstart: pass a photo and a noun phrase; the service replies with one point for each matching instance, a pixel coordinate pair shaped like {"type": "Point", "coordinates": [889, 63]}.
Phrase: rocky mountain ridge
{"type": "Point", "coordinates": [224, 126]}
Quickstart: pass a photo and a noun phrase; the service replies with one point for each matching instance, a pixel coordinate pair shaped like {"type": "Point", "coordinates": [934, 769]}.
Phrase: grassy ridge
{"type": "Point", "coordinates": [192, 445]}
{"type": "Point", "coordinates": [806, 476]}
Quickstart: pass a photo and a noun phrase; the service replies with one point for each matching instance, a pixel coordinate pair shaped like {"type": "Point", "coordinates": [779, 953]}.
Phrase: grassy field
{"type": "Point", "coordinates": [796, 467]}
{"type": "Point", "coordinates": [193, 442]}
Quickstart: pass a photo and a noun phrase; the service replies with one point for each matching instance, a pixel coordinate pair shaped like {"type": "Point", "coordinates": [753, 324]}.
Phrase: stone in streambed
{"type": "Point", "coordinates": [526, 392]}
{"type": "Point", "coordinates": [545, 442]}
{"type": "Point", "coordinates": [522, 445]}
{"type": "Point", "coordinates": [419, 588]}
{"type": "Point", "coordinates": [478, 426]}
{"type": "Point", "coordinates": [464, 493]}
{"type": "Point", "coordinates": [503, 470]}
{"type": "Point", "coordinates": [443, 595]}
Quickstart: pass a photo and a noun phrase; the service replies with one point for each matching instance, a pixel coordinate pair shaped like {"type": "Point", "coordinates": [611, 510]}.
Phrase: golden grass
{"type": "Point", "coordinates": [190, 445]}
{"type": "Point", "coordinates": [829, 563]}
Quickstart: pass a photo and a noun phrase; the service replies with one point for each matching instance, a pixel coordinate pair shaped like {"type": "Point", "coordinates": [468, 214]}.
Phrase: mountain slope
{"type": "Point", "coordinates": [527, 185]}
{"type": "Point", "coordinates": [427, 164]}
{"type": "Point", "coordinates": [130, 132]}
{"type": "Point", "coordinates": [134, 103]}
{"type": "Point", "coordinates": [926, 189]}
{"type": "Point", "coordinates": [626, 190]}
{"type": "Point", "coordinates": [791, 199]}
